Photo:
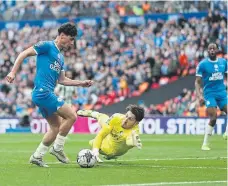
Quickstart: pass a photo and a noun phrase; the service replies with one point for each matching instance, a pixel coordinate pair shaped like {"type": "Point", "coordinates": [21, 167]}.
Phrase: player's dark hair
{"type": "Point", "coordinates": [68, 29]}
{"type": "Point", "coordinates": [137, 111]}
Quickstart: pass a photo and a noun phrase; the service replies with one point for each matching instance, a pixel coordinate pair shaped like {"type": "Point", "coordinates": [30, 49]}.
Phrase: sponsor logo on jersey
{"type": "Point", "coordinates": [56, 67]}
{"type": "Point", "coordinates": [216, 76]}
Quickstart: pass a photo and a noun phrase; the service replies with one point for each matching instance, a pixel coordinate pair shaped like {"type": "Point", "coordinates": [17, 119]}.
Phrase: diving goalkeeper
{"type": "Point", "coordinates": [118, 133]}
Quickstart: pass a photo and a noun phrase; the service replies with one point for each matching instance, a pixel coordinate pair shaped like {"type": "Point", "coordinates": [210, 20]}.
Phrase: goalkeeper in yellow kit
{"type": "Point", "coordinates": [118, 133]}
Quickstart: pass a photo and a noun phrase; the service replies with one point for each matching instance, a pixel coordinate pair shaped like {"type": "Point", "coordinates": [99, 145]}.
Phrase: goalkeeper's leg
{"type": "Point", "coordinates": [100, 117]}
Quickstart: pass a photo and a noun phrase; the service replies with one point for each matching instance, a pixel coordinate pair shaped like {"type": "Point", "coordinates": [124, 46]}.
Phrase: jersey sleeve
{"type": "Point", "coordinates": [63, 67]}
{"type": "Point", "coordinates": [106, 129]}
{"type": "Point", "coordinates": [199, 70]}
{"type": "Point", "coordinates": [41, 47]}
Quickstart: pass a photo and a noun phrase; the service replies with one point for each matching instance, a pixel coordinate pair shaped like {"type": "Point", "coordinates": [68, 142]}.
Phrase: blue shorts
{"type": "Point", "coordinates": [47, 101]}
{"type": "Point", "coordinates": [215, 100]}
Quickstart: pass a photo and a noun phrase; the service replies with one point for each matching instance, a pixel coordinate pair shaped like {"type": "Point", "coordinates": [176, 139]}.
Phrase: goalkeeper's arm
{"type": "Point", "coordinates": [133, 140]}
{"type": "Point", "coordinates": [106, 129]}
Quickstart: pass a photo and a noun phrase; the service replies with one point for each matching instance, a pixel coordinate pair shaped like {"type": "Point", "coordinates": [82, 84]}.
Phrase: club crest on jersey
{"type": "Point", "coordinates": [216, 67]}
{"type": "Point", "coordinates": [56, 67]}
{"type": "Point", "coordinates": [59, 57]}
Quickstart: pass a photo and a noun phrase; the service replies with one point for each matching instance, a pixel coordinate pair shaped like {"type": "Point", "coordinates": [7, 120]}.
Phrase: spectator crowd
{"type": "Point", "coordinates": [123, 60]}
{"type": "Point", "coordinates": [31, 10]}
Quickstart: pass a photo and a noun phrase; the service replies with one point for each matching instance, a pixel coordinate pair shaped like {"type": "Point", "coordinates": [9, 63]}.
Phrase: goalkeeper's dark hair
{"type": "Point", "coordinates": [137, 111]}
{"type": "Point", "coordinates": [68, 29]}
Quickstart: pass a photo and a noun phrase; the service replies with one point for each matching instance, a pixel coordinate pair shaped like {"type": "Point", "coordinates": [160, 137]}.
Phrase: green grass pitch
{"type": "Point", "coordinates": [163, 160]}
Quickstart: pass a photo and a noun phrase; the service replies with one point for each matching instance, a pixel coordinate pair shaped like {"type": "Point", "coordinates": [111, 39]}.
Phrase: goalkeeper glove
{"type": "Point", "coordinates": [136, 140]}
{"type": "Point", "coordinates": [96, 154]}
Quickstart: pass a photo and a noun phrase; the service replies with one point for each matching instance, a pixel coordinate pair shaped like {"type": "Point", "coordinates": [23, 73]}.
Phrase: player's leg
{"type": "Point", "coordinates": [224, 109]}
{"type": "Point", "coordinates": [225, 135]}
{"type": "Point", "coordinates": [212, 113]}
{"type": "Point", "coordinates": [222, 103]}
{"type": "Point", "coordinates": [54, 123]}
{"type": "Point", "coordinates": [69, 117]}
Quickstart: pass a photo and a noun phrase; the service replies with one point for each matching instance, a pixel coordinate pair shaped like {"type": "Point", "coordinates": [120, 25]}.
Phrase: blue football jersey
{"type": "Point", "coordinates": [212, 73]}
{"type": "Point", "coordinates": [49, 64]}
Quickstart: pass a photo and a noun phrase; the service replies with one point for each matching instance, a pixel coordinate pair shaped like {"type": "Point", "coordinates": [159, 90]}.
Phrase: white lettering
{"type": "Point", "coordinates": [149, 126]}
{"type": "Point", "coordinates": [219, 124]}
{"type": "Point", "coordinates": [7, 124]}
{"type": "Point", "coordinates": [141, 124]}
{"type": "Point", "coordinates": [190, 126]}
{"type": "Point", "coordinates": [181, 123]}
{"type": "Point", "coordinates": [216, 76]}
{"type": "Point", "coordinates": [159, 130]}
{"type": "Point", "coordinates": [56, 67]}
{"type": "Point", "coordinates": [47, 24]}
{"type": "Point", "coordinates": [35, 126]}
{"type": "Point", "coordinates": [91, 22]}
{"type": "Point", "coordinates": [136, 20]}
{"type": "Point", "coordinates": [200, 126]}
{"type": "Point", "coordinates": [93, 125]}
{"type": "Point", "coordinates": [12, 25]}
{"type": "Point", "coordinates": [172, 128]}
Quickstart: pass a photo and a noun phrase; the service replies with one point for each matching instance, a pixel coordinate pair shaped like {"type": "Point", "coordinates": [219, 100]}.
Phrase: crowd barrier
{"type": "Point", "coordinates": [130, 20]}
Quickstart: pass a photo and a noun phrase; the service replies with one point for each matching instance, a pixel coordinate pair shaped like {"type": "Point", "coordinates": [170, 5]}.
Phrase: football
{"type": "Point", "coordinates": [86, 159]}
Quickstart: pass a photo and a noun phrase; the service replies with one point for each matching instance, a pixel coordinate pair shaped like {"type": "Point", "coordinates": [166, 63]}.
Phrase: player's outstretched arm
{"type": "Point", "coordinates": [133, 140]}
{"type": "Point", "coordinates": [63, 80]}
{"type": "Point", "coordinates": [198, 89]}
{"type": "Point", "coordinates": [26, 53]}
{"type": "Point", "coordinates": [98, 140]}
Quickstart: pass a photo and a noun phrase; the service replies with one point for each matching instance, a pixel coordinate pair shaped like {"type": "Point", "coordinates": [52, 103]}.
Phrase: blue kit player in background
{"type": "Point", "coordinates": [49, 72]}
{"type": "Point", "coordinates": [211, 71]}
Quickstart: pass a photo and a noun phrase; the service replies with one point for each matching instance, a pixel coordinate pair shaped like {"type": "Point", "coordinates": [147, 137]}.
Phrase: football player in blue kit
{"type": "Point", "coordinates": [49, 72]}
{"type": "Point", "coordinates": [211, 72]}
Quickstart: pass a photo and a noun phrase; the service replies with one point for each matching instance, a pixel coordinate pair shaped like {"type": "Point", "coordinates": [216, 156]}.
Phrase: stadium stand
{"type": "Point", "coordinates": [28, 10]}
{"type": "Point", "coordinates": [123, 60]}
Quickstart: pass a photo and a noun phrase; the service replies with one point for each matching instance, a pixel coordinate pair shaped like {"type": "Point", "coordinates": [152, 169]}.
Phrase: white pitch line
{"type": "Point", "coordinates": [164, 167]}
{"type": "Point", "coordinates": [171, 183]}
{"type": "Point", "coordinates": [126, 160]}
{"type": "Point", "coordinates": [171, 159]}
{"type": "Point", "coordinates": [147, 166]}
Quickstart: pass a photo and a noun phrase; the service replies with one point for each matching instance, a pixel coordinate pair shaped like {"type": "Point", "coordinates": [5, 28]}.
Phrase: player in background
{"type": "Point", "coordinates": [211, 71]}
{"type": "Point", "coordinates": [49, 72]}
{"type": "Point", "coordinates": [118, 134]}
{"type": "Point", "coordinates": [66, 92]}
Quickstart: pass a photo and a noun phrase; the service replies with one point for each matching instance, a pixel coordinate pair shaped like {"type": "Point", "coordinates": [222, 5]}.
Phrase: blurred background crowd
{"type": "Point", "coordinates": [30, 10]}
{"type": "Point", "coordinates": [123, 60]}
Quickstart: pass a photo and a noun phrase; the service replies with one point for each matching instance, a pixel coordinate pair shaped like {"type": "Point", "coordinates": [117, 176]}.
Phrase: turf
{"type": "Point", "coordinates": [164, 158]}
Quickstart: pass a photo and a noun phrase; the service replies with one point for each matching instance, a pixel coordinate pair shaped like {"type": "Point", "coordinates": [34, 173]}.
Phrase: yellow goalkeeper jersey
{"type": "Point", "coordinates": [111, 140]}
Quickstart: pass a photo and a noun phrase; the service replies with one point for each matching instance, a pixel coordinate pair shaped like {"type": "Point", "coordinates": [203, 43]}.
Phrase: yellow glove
{"type": "Point", "coordinates": [96, 154]}
{"type": "Point", "coordinates": [134, 140]}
